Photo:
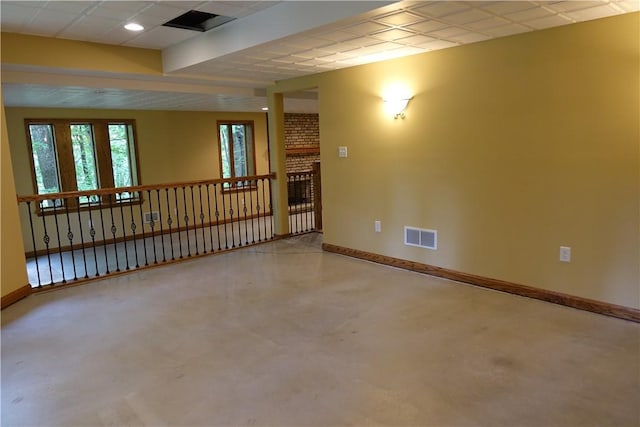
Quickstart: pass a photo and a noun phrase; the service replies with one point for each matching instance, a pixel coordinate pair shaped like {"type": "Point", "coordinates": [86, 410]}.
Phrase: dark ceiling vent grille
{"type": "Point", "coordinates": [198, 21]}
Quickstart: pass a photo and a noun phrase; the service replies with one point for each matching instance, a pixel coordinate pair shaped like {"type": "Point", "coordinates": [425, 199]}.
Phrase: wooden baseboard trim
{"type": "Point", "coordinates": [607, 309]}
{"type": "Point", "coordinates": [15, 296]}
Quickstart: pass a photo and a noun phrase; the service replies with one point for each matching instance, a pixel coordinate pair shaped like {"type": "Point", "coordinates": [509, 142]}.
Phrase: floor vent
{"type": "Point", "coordinates": [422, 238]}
{"type": "Point", "coordinates": [151, 216]}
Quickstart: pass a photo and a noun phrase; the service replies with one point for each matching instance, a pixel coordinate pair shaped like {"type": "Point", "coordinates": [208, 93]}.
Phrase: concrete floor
{"type": "Point", "coordinates": [283, 334]}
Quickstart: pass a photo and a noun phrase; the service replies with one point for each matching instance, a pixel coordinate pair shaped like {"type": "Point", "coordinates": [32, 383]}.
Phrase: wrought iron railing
{"type": "Point", "coordinates": [77, 236]}
{"type": "Point", "coordinates": [305, 209]}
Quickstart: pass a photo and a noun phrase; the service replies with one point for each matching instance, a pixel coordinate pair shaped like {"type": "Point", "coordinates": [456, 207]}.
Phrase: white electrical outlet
{"type": "Point", "coordinates": [377, 226]}
{"type": "Point", "coordinates": [565, 254]}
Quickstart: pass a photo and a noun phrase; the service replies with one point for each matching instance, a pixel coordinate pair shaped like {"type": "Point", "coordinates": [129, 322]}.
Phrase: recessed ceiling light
{"type": "Point", "coordinates": [265, 108]}
{"type": "Point", "coordinates": [132, 26]}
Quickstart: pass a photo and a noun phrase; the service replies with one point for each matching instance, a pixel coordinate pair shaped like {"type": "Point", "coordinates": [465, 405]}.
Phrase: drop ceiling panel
{"type": "Point", "coordinates": [404, 28]}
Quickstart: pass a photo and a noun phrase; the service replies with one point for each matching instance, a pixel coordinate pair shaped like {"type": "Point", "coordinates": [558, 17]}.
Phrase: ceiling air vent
{"type": "Point", "coordinates": [422, 238]}
{"type": "Point", "coordinates": [198, 21]}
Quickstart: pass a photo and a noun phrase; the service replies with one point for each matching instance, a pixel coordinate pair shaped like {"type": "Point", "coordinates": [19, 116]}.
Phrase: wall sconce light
{"type": "Point", "coordinates": [397, 105]}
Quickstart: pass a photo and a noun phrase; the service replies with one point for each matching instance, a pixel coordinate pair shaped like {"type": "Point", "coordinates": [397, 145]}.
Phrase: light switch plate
{"type": "Point", "coordinates": [342, 152]}
{"type": "Point", "coordinates": [565, 254]}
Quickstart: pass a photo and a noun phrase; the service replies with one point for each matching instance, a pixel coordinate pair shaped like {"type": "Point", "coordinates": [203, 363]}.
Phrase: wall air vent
{"type": "Point", "coordinates": [198, 21]}
{"type": "Point", "coordinates": [151, 216]}
{"type": "Point", "coordinates": [422, 238]}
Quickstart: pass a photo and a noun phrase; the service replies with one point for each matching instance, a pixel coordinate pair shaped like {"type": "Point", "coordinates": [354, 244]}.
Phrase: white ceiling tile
{"type": "Point", "coordinates": [15, 15]}
{"type": "Point", "coordinates": [628, 5]}
{"type": "Point", "coordinates": [184, 4]}
{"type": "Point", "coordinates": [427, 26]}
{"type": "Point", "coordinates": [337, 36]}
{"type": "Point", "coordinates": [504, 7]}
{"type": "Point", "coordinates": [364, 41]}
{"type": "Point", "coordinates": [129, 6]}
{"type": "Point", "coordinates": [89, 23]}
{"type": "Point", "coordinates": [506, 30]}
{"type": "Point", "coordinates": [392, 34]}
{"type": "Point", "coordinates": [592, 13]}
{"type": "Point", "coordinates": [350, 45]}
{"type": "Point", "coordinates": [365, 28]}
{"type": "Point", "coordinates": [108, 13]}
{"type": "Point", "coordinates": [49, 22]}
{"type": "Point", "coordinates": [308, 43]}
{"type": "Point", "coordinates": [528, 14]}
{"type": "Point", "coordinates": [565, 6]}
{"type": "Point", "coordinates": [302, 56]}
{"type": "Point", "coordinates": [334, 57]}
{"type": "Point", "coordinates": [415, 40]}
{"type": "Point", "coordinates": [441, 8]}
{"type": "Point", "coordinates": [160, 38]}
{"type": "Point", "coordinates": [548, 22]}
{"type": "Point", "coordinates": [399, 19]}
{"type": "Point", "coordinates": [438, 44]}
{"type": "Point", "coordinates": [469, 38]}
{"type": "Point", "coordinates": [72, 7]}
{"type": "Point", "coordinates": [492, 22]}
{"type": "Point", "coordinates": [163, 12]}
{"type": "Point", "coordinates": [471, 15]}
{"type": "Point", "coordinates": [447, 32]}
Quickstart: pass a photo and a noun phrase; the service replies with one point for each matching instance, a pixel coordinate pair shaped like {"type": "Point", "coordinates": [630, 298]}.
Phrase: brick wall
{"type": "Point", "coordinates": [301, 131]}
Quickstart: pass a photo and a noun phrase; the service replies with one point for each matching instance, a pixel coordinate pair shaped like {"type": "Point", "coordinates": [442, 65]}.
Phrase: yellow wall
{"type": "Point", "coordinates": [49, 52]}
{"type": "Point", "coordinates": [172, 146]}
{"type": "Point", "coordinates": [13, 273]}
{"type": "Point", "coordinates": [510, 149]}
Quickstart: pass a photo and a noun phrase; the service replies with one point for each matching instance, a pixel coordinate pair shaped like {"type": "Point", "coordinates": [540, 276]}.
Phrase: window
{"type": "Point", "coordinates": [237, 151]}
{"type": "Point", "coordinates": [81, 155]}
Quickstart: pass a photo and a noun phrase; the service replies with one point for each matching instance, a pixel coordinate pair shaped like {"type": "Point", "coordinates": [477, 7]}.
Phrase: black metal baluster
{"type": "Point", "coordinates": [290, 198]}
{"type": "Point", "coordinates": [104, 235]}
{"type": "Point", "coordinates": [144, 237]}
{"type": "Point", "coordinates": [55, 218]}
{"type": "Point", "coordinates": [92, 233]}
{"type": "Point", "coordinates": [233, 237]}
{"type": "Point", "coordinates": [164, 256]}
{"type": "Point", "coordinates": [217, 214]}
{"type": "Point", "coordinates": [307, 199]}
{"type": "Point", "coordinates": [258, 184]}
{"type": "Point", "coordinates": [204, 241]}
{"type": "Point", "coordinates": [270, 208]}
{"type": "Point", "coordinates": [33, 241]}
{"type": "Point", "coordinates": [70, 237]}
{"type": "Point", "coordinates": [133, 233]}
{"type": "Point", "coordinates": [124, 233]}
{"type": "Point", "coordinates": [169, 222]}
{"type": "Point", "coordinates": [195, 221]}
{"type": "Point", "coordinates": [264, 211]}
{"type": "Point", "coordinates": [244, 210]}
{"type": "Point", "coordinates": [238, 214]}
{"type": "Point", "coordinates": [298, 197]}
{"type": "Point", "coordinates": [152, 224]}
{"type": "Point", "coordinates": [175, 194]}
{"type": "Point", "coordinates": [186, 220]}
{"type": "Point", "coordinates": [84, 257]}
{"type": "Point", "coordinates": [209, 214]}
{"type": "Point", "coordinates": [46, 239]}
{"type": "Point", "coordinates": [224, 220]}
{"type": "Point", "coordinates": [114, 229]}
{"type": "Point", "coordinates": [253, 231]}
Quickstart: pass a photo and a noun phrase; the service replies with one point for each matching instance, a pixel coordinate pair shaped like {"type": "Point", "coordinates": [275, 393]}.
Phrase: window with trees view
{"type": "Point", "coordinates": [81, 155]}
{"type": "Point", "coordinates": [237, 151]}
